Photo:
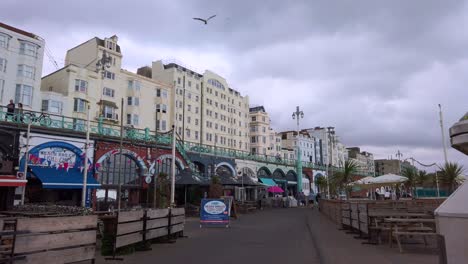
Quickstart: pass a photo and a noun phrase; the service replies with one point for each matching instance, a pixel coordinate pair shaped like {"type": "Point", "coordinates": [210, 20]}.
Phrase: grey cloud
{"type": "Point", "coordinates": [373, 69]}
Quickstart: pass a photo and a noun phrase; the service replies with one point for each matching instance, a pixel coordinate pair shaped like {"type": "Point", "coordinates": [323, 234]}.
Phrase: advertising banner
{"type": "Point", "coordinates": [214, 212]}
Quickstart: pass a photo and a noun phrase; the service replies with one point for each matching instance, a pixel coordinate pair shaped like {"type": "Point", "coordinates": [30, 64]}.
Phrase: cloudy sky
{"type": "Point", "coordinates": [373, 69]}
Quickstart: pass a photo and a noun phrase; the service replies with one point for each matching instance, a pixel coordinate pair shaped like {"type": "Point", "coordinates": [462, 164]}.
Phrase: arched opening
{"type": "Point", "coordinates": [200, 166]}
{"type": "Point", "coordinates": [224, 171]}
{"type": "Point", "coordinates": [291, 176]}
{"type": "Point", "coordinates": [247, 172]}
{"type": "Point", "coordinates": [264, 172]}
{"type": "Point", "coordinates": [279, 174]}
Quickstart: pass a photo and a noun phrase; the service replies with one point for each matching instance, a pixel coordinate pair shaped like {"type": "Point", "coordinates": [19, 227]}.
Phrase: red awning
{"type": "Point", "coordinates": [11, 181]}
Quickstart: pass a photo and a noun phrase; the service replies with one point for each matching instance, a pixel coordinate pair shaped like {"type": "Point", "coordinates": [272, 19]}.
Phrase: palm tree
{"type": "Point", "coordinates": [321, 183]}
{"type": "Point", "coordinates": [343, 178]}
{"type": "Point", "coordinates": [451, 174]}
{"type": "Point", "coordinates": [422, 177]}
{"type": "Point", "coordinates": [412, 176]}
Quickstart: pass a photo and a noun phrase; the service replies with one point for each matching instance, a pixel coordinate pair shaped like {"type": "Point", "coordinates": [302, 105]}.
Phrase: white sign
{"type": "Point", "coordinates": [148, 179]}
{"type": "Point", "coordinates": [215, 207]}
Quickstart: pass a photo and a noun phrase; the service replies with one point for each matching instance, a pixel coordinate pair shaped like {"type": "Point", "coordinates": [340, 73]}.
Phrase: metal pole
{"type": "Point", "coordinates": [119, 192]}
{"type": "Point", "coordinates": [26, 160]}
{"type": "Point", "coordinates": [156, 169]}
{"type": "Point", "coordinates": [328, 167]}
{"type": "Point", "coordinates": [173, 166]}
{"type": "Point", "coordinates": [443, 134]}
{"type": "Point", "coordinates": [85, 171]}
{"type": "Point", "coordinates": [437, 183]}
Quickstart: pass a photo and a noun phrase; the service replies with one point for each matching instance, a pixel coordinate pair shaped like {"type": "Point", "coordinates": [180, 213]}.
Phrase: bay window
{"type": "Point", "coordinates": [29, 49]}
{"type": "Point", "coordinates": [24, 94]}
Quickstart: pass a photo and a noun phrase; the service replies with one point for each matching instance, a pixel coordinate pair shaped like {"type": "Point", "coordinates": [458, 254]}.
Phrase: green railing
{"type": "Point", "coordinates": [104, 127]}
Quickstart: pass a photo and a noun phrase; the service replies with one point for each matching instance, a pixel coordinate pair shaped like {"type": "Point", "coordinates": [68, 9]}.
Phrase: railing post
{"type": "Point", "coordinates": [63, 122]}
{"type": "Point", "coordinates": [147, 134]}
{"type": "Point", "coordinates": [100, 130]}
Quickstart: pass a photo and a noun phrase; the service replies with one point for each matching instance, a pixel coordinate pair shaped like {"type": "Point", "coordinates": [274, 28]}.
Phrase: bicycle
{"type": "Point", "coordinates": [42, 119]}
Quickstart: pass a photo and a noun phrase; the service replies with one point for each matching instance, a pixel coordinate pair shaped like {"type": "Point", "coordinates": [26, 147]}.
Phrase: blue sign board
{"type": "Point", "coordinates": [214, 212]}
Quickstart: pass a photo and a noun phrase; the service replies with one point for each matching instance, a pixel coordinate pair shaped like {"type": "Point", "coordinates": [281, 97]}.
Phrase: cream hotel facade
{"type": "Point", "coordinates": [202, 107]}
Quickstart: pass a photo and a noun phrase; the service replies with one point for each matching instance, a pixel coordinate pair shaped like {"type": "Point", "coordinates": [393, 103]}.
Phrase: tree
{"type": "Point", "coordinates": [321, 183]}
{"type": "Point", "coordinates": [412, 176]}
{"type": "Point", "coordinates": [343, 178]}
{"type": "Point", "coordinates": [451, 174]}
{"type": "Point", "coordinates": [422, 177]}
{"type": "Point", "coordinates": [216, 189]}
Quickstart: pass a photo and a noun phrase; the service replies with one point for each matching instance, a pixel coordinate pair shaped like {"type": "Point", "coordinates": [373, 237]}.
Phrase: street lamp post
{"type": "Point", "coordinates": [330, 157]}
{"type": "Point", "coordinates": [298, 115]}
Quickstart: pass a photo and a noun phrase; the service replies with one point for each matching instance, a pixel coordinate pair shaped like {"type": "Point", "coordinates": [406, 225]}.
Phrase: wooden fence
{"type": "Point", "coordinates": [52, 240]}
{"type": "Point", "coordinates": [140, 226]}
{"type": "Point", "coordinates": [358, 214]}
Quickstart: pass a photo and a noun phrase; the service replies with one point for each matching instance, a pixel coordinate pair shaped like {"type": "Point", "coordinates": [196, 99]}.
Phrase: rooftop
{"type": "Point", "coordinates": [19, 31]}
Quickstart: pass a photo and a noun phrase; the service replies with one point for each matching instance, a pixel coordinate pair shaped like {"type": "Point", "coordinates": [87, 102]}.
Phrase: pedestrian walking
{"type": "Point", "coordinates": [10, 110]}
{"type": "Point", "coordinates": [317, 200]}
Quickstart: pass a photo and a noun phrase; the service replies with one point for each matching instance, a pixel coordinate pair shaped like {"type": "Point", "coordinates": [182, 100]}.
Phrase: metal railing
{"type": "Point", "coordinates": [103, 128]}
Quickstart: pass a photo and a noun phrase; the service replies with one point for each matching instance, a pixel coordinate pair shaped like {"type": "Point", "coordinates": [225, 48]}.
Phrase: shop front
{"type": "Point", "coordinates": [55, 169]}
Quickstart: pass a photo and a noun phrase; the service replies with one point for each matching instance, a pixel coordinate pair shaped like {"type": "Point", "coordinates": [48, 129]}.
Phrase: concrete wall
{"type": "Point", "coordinates": [455, 231]}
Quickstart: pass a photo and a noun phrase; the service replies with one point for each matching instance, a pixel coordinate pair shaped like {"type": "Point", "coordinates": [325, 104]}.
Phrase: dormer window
{"type": "Point", "coordinates": [110, 45]}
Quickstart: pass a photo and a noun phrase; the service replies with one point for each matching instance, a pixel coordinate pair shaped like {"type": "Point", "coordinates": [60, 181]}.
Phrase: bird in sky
{"type": "Point", "coordinates": [204, 20]}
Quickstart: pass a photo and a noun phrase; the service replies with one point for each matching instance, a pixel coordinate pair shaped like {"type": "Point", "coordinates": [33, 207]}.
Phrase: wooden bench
{"type": "Point", "coordinates": [397, 235]}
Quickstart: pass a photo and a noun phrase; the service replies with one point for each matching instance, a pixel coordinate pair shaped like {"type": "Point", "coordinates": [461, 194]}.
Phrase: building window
{"type": "Point", "coordinates": [189, 119]}
{"type": "Point", "coordinates": [189, 108]}
{"type": "Point", "coordinates": [161, 108]}
{"type": "Point", "coordinates": [196, 110]}
{"type": "Point", "coordinates": [108, 92]}
{"type": "Point", "coordinates": [189, 84]}
{"type": "Point", "coordinates": [3, 64]}
{"type": "Point", "coordinates": [196, 98]}
{"type": "Point", "coordinates": [81, 85]}
{"type": "Point", "coordinates": [132, 119]}
{"type": "Point", "coordinates": [110, 45]}
{"type": "Point", "coordinates": [52, 106]}
{"type": "Point", "coordinates": [178, 80]}
{"type": "Point", "coordinates": [189, 95]}
{"type": "Point", "coordinates": [196, 135]}
{"type": "Point", "coordinates": [26, 71]}
{"type": "Point", "coordinates": [196, 121]}
{"type": "Point", "coordinates": [109, 75]}
{"type": "Point", "coordinates": [79, 105]}
{"type": "Point", "coordinates": [4, 40]}
{"type": "Point", "coordinates": [197, 86]}
{"type": "Point", "coordinates": [109, 112]}
{"type": "Point", "coordinates": [133, 85]}
{"type": "Point", "coordinates": [28, 49]}
{"type": "Point", "coordinates": [133, 101]}
{"type": "Point", "coordinates": [253, 139]}
{"type": "Point", "coordinates": [161, 125]}
{"type": "Point", "coordinates": [187, 132]}
{"type": "Point", "coordinates": [254, 118]}
{"type": "Point", "coordinates": [24, 94]}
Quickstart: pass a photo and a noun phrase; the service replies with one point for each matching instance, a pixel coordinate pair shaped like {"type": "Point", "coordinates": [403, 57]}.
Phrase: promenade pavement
{"type": "Point", "coordinates": [296, 235]}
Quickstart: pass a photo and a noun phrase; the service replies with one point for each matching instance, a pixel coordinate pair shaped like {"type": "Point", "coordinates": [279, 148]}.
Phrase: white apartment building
{"type": "Point", "coordinates": [81, 82]}
{"type": "Point", "coordinates": [364, 161]}
{"type": "Point", "coordinates": [207, 111]}
{"type": "Point", "coordinates": [329, 149]}
{"type": "Point", "coordinates": [290, 140]}
{"type": "Point", "coordinates": [21, 55]}
{"type": "Point", "coordinates": [263, 139]}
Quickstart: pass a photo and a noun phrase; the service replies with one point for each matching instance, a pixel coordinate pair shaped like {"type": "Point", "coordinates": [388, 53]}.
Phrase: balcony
{"type": "Point", "coordinates": [459, 135]}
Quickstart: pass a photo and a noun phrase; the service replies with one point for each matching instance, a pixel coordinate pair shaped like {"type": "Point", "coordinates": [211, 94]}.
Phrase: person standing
{"type": "Point", "coordinates": [10, 110]}
{"type": "Point", "coordinates": [19, 113]}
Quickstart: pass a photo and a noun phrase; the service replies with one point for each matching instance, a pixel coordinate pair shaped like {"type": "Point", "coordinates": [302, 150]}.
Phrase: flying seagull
{"type": "Point", "coordinates": [204, 20]}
